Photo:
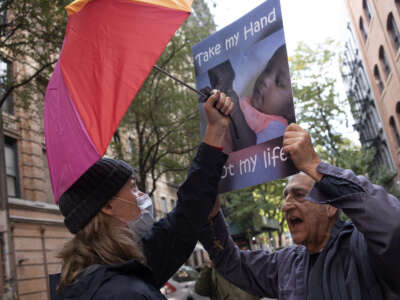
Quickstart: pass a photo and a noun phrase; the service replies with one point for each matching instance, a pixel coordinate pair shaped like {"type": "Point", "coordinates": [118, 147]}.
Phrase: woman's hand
{"type": "Point", "coordinates": [217, 116]}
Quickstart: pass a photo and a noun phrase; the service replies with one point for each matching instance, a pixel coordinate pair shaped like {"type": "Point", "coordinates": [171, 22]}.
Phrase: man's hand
{"type": "Point", "coordinates": [218, 120]}
{"type": "Point", "coordinates": [297, 144]}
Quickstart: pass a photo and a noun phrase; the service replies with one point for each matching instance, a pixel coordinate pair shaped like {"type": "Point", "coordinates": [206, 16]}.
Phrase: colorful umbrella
{"type": "Point", "coordinates": [110, 46]}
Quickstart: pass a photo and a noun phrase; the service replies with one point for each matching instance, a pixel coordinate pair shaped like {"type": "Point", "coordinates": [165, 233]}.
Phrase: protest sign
{"type": "Point", "coordinates": [247, 60]}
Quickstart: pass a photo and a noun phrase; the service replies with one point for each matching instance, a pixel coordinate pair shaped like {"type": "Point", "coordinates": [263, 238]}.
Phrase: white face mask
{"type": "Point", "coordinates": [143, 223]}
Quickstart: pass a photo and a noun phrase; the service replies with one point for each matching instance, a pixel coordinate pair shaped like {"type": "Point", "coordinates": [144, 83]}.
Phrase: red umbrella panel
{"type": "Point", "coordinates": [110, 47]}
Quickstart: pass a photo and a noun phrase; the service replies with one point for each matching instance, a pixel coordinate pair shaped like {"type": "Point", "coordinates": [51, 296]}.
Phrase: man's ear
{"type": "Point", "coordinates": [331, 211]}
{"type": "Point", "coordinates": [108, 209]}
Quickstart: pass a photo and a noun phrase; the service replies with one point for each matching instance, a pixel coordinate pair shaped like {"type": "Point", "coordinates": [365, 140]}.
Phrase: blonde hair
{"type": "Point", "coordinates": [105, 240]}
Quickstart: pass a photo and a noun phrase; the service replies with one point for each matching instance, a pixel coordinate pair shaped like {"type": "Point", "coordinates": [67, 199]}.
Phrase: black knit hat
{"type": "Point", "coordinates": [85, 198]}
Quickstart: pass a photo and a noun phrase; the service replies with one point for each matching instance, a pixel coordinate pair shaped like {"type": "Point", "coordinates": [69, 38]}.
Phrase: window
{"type": "Point", "coordinates": [397, 2]}
{"type": "Point", "coordinates": [363, 31]}
{"type": "Point", "coordinates": [202, 259]}
{"type": "Point", "coordinates": [132, 147]}
{"type": "Point", "coordinates": [384, 62]}
{"type": "Point", "coordinates": [10, 146]}
{"type": "Point", "coordinates": [195, 259]}
{"type": "Point", "coordinates": [398, 108]}
{"type": "Point", "coordinates": [367, 10]}
{"type": "Point", "coordinates": [393, 31]}
{"type": "Point", "coordinates": [392, 123]}
{"type": "Point", "coordinates": [116, 137]}
{"type": "Point", "coordinates": [3, 17]}
{"type": "Point", "coordinates": [163, 205]}
{"type": "Point", "coordinates": [5, 79]}
{"type": "Point", "coordinates": [378, 79]}
{"type": "Point", "coordinates": [173, 203]}
{"type": "Point", "coordinates": [47, 183]}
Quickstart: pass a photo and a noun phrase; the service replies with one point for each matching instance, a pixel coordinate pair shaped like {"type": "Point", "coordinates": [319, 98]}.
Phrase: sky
{"type": "Point", "coordinates": [310, 21]}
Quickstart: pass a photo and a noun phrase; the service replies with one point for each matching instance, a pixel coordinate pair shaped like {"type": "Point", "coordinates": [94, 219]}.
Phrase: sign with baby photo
{"type": "Point", "coordinates": [247, 60]}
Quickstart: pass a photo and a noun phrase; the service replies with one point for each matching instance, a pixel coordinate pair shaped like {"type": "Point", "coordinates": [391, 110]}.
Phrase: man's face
{"type": "Point", "coordinates": [272, 90]}
{"type": "Point", "coordinates": [308, 222]}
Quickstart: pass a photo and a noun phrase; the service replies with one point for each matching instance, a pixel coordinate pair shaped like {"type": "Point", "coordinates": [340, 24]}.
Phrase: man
{"type": "Point", "coordinates": [333, 259]}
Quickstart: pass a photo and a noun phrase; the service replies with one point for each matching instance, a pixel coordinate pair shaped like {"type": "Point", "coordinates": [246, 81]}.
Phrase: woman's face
{"type": "Point", "coordinates": [272, 91]}
{"type": "Point", "coordinates": [124, 203]}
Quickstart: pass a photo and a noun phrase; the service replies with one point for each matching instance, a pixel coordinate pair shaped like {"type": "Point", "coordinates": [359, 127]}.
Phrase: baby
{"type": "Point", "coordinates": [270, 108]}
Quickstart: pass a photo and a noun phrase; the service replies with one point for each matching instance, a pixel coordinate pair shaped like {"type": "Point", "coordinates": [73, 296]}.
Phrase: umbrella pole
{"type": "Point", "coordinates": [196, 91]}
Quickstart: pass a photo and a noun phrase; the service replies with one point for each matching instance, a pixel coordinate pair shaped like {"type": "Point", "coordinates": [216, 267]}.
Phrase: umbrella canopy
{"type": "Point", "coordinates": [110, 46]}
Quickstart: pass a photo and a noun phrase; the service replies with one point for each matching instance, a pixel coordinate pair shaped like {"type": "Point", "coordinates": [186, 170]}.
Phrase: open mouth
{"type": "Point", "coordinates": [294, 221]}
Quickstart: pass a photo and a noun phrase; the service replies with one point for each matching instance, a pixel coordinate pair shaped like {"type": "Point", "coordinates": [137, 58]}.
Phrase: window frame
{"type": "Point", "coordinates": [384, 61]}
{"type": "Point", "coordinates": [393, 31]}
{"type": "Point", "coordinates": [364, 32]}
{"type": "Point", "coordinates": [395, 130]}
{"type": "Point", "coordinates": [8, 105]}
{"type": "Point", "coordinates": [378, 79]}
{"type": "Point", "coordinates": [163, 204]}
{"type": "Point", "coordinates": [367, 10]}
{"type": "Point", "coordinates": [12, 144]}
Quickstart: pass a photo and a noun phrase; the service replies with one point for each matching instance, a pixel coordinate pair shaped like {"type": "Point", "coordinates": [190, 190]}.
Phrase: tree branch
{"type": "Point", "coordinates": [27, 80]}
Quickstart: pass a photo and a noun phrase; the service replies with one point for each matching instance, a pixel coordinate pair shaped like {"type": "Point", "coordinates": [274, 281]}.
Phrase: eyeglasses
{"type": "Point", "coordinates": [294, 198]}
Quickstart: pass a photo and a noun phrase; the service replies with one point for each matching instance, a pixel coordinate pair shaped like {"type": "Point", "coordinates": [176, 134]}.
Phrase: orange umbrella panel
{"type": "Point", "coordinates": [184, 5]}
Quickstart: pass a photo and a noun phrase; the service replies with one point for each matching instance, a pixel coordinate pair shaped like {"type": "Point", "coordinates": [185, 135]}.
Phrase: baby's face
{"type": "Point", "coordinates": [272, 91]}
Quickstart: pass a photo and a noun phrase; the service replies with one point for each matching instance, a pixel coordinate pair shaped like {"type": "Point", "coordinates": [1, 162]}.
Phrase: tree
{"type": "Point", "coordinates": [321, 110]}
{"type": "Point", "coordinates": [31, 37]}
{"type": "Point", "coordinates": [162, 123]}
{"type": "Point", "coordinates": [262, 200]}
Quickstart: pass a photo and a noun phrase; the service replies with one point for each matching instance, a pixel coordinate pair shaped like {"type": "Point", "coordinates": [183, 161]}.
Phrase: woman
{"type": "Point", "coordinates": [117, 252]}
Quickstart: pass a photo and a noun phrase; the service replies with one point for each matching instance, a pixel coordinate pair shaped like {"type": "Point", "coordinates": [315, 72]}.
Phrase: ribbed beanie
{"type": "Point", "coordinates": [85, 198]}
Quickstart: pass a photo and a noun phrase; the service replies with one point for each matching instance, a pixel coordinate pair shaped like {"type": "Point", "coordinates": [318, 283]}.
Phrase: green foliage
{"type": "Point", "coordinates": [319, 109]}
{"type": "Point", "coordinates": [263, 200]}
{"type": "Point", "coordinates": [31, 38]}
{"type": "Point", "coordinates": [162, 122]}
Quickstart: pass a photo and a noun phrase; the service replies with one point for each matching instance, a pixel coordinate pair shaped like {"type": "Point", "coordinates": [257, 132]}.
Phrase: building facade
{"type": "Point", "coordinates": [376, 26]}
{"type": "Point", "coordinates": [363, 104]}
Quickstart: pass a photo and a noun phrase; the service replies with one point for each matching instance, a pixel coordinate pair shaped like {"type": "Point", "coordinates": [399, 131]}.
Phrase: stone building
{"type": "Point", "coordinates": [363, 105]}
{"type": "Point", "coordinates": [376, 26]}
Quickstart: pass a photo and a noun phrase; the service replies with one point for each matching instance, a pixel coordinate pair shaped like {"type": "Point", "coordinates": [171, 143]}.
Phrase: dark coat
{"type": "Point", "coordinates": [167, 246]}
{"type": "Point", "coordinates": [360, 261]}
{"type": "Point", "coordinates": [211, 284]}
{"type": "Point", "coordinates": [131, 280]}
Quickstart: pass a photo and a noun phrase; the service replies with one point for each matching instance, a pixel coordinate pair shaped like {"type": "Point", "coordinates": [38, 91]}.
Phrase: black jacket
{"type": "Point", "coordinates": [167, 246]}
{"type": "Point", "coordinates": [131, 280]}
